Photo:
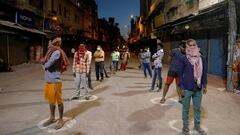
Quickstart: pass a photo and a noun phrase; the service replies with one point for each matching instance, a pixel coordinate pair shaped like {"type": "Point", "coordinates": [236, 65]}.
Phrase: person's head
{"type": "Point", "coordinates": [56, 41]}
{"type": "Point", "coordinates": [159, 46]}
{"type": "Point", "coordinates": [191, 43]}
{"type": "Point", "coordinates": [82, 48]}
{"type": "Point", "coordinates": [99, 48]}
{"type": "Point", "coordinates": [145, 49]}
{"type": "Point", "coordinates": [141, 50]}
{"type": "Point", "coordinates": [182, 46]}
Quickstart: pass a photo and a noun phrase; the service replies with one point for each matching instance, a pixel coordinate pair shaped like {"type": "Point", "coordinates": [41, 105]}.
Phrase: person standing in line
{"type": "Point", "coordinates": [81, 68]}
{"type": "Point", "coordinates": [173, 70]}
{"type": "Point", "coordinates": [117, 62]}
{"type": "Point", "coordinates": [157, 57]}
{"type": "Point", "coordinates": [236, 67]}
{"type": "Point", "coordinates": [99, 63]}
{"type": "Point", "coordinates": [193, 82]}
{"type": "Point", "coordinates": [146, 62]}
{"type": "Point", "coordinates": [125, 59]}
{"type": "Point", "coordinates": [115, 58]}
{"type": "Point", "coordinates": [54, 63]}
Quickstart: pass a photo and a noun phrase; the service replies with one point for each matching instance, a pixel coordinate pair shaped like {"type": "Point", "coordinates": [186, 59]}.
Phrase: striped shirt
{"type": "Point", "coordinates": [84, 64]}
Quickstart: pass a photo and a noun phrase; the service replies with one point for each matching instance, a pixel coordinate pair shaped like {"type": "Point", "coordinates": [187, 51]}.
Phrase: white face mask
{"type": "Point", "coordinates": [98, 49]}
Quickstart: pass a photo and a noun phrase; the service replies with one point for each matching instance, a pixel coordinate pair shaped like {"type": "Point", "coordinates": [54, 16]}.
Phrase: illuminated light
{"type": "Point", "coordinates": [54, 18]}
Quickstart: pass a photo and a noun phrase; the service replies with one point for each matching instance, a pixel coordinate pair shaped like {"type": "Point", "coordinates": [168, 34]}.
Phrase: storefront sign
{"type": "Point", "coordinates": [25, 17]}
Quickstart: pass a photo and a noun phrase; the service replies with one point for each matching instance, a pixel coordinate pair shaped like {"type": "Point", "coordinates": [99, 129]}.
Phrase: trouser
{"type": "Point", "coordinates": [99, 67]}
{"type": "Point", "coordinates": [116, 66]}
{"type": "Point", "coordinates": [81, 79]}
{"type": "Point", "coordinates": [147, 67]}
{"type": "Point", "coordinates": [157, 72]}
{"type": "Point", "coordinates": [196, 96]}
{"type": "Point", "coordinates": [89, 79]}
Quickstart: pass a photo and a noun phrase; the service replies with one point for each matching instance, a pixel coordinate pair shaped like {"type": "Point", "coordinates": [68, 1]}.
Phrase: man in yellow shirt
{"type": "Point", "coordinates": [99, 62]}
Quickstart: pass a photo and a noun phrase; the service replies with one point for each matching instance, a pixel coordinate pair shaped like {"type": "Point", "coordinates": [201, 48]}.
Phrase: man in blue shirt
{"type": "Point", "coordinates": [54, 63]}
{"type": "Point", "coordinates": [175, 56]}
{"type": "Point", "coordinates": [193, 81]}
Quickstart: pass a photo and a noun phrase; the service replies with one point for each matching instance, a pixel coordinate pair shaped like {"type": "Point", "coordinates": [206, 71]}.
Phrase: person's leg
{"type": "Point", "coordinates": [149, 69]}
{"type": "Point", "coordinates": [144, 69]}
{"type": "Point", "coordinates": [97, 67]}
{"type": "Point", "coordinates": [116, 66]}
{"type": "Point", "coordinates": [159, 71]}
{"type": "Point", "coordinates": [84, 82]}
{"type": "Point", "coordinates": [166, 88]}
{"type": "Point", "coordinates": [185, 108]}
{"type": "Point", "coordinates": [58, 95]}
{"type": "Point", "coordinates": [50, 97]}
{"type": "Point", "coordinates": [77, 86]}
{"type": "Point", "coordinates": [89, 79]}
{"type": "Point", "coordinates": [101, 65]}
{"type": "Point", "coordinates": [154, 79]}
{"type": "Point", "coordinates": [179, 91]}
{"type": "Point", "coordinates": [197, 99]}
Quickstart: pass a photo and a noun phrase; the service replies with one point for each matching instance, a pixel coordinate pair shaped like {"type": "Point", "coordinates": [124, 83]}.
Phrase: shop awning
{"type": "Point", "coordinates": [20, 27]}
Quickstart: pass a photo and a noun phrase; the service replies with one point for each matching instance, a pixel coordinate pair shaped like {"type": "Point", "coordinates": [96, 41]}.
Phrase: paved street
{"type": "Point", "coordinates": [123, 106]}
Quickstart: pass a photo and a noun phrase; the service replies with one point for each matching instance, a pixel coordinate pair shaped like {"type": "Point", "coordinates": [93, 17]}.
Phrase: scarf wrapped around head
{"type": "Point", "coordinates": [80, 53]}
{"type": "Point", "coordinates": [51, 48]}
{"type": "Point", "coordinates": [194, 57]}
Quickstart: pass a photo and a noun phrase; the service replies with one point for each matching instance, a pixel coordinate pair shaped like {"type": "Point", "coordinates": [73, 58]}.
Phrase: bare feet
{"type": "Point", "coordinates": [49, 122]}
{"type": "Point", "coordinates": [59, 124]}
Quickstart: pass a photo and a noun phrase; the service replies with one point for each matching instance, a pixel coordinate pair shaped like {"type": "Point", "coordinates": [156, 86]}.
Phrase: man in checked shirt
{"type": "Point", "coordinates": [81, 67]}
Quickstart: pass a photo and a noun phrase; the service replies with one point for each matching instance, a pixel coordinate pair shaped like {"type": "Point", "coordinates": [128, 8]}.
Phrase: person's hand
{"type": "Point", "coordinates": [182, 93]}
{"type": "Point", "coordinates": [204, 90]}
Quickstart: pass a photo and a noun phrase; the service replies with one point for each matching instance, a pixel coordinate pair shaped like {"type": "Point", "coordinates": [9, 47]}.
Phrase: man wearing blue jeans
{"type": "Point", "coordinates": [146, 62]}
{"type": "Point", "coordinates": [193, 81]}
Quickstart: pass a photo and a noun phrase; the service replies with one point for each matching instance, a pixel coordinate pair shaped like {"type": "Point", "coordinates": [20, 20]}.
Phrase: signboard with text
{"type": "Point", "coordinates": [25, 17]}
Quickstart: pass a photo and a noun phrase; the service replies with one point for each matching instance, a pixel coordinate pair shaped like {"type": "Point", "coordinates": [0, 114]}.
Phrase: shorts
{"type": "Point", "coordinates": [53, 93]}
{"type": "Point", "coordinates": [171, 76]}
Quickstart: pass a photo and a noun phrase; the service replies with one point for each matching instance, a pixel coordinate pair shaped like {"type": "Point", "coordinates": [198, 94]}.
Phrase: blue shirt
{"type": "Point", "coordinates": [158, 58]}
{"type": "Point", "coordinates": [186, 75]}
{"type": "Point", "coordinates": [175, 54]}
{"type": "Point", "coordinates": [53, 75]}
{"type": "Point", "coordinates": [146, 57]}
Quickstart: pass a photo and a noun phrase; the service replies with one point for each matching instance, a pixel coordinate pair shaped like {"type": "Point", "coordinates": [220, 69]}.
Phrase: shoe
{"type": "Point", "coordinates": [158, 90]}
{"type": "Point", "coordinates": [180, 101]}
{"type": "Point", "coordinates": [75, 98]}
{"type": "Point", "coordinates": [200, 131]}
{"type": "Point", "coordinates": [185, 131]}
{"type": "Point", "coordinates": [162, 101]}
{"type": "Point", "coordinates": [87, 97]}
{"type": "Point", "coordinates": [107, 77]}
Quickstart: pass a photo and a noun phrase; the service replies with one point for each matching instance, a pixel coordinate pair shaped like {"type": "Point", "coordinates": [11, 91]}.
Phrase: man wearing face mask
{"type": "Point", "coordinates": [146, 62]}
{"type": "Point", "coordinates": [193, 82]}
{"type": "Point", "coordinates": [174, 57]}
{"type": "Point", "coordinates": [99, 63]}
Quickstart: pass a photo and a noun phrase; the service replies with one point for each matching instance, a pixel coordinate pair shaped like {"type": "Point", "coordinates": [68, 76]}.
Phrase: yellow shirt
{"type": "Point", "coordinates": [99, 56]}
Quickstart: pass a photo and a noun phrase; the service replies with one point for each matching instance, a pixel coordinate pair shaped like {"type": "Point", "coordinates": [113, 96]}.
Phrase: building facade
{"type": "Point", "coordinates": [206, 21]}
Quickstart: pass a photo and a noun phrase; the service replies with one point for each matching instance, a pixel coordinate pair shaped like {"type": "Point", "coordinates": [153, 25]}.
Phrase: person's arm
{"type": "Point", "coordinates": [88, 63]}
{"type": "Point", "coordinates": [74, 62]}
{"type": "Point", "coordinates": [181, 70]}
{"type": "Point", "coordinates": [204, 76]}
{"type": "Point", "coordinates": [54, 57]}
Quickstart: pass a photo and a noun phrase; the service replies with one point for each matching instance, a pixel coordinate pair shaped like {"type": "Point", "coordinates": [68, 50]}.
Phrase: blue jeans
{"type": "Point", "coordinates": [114, 65]}
{"type": "Point", "coordinates": [81, 79]}
{"type": "Point", "coordinates": [157, 72]}
{"type": "Point", "coordinates": [196, 96]}
{"type": "Point", "coordinates": [147, 67]}
{"type": "Point", "coordinates": [99, 68]}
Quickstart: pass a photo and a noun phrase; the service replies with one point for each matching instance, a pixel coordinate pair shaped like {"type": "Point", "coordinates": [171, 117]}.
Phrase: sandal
{"type": "Point", "coordinates": [185, 131]}
{"type": "Point", "coordinates": [49, 122]}
{"type": "Point", "coordinates": [200, 131]}
{"type": "Point", "coordinates": [59, 124]}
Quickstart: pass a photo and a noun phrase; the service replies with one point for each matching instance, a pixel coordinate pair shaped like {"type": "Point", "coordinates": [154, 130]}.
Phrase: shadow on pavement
{"type": "Point", "coordinates": [28, 131]}
{"type": "Point", "coordinates": [130, 93]}
{"type": "Point", "coordinates": [142, 118]}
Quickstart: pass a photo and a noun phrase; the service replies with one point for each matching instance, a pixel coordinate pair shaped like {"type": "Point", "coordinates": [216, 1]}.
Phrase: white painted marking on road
{"type": "Point", "coordinates": [91, 98]}
{"type": "Point", "coordinates": [221, 89]}
{"type": "Point", "coordinates": [168, 102]}
{"type": "Point", "coordinates": [50, 129]}
{"type": "Point", "coordinates": [172, 124]}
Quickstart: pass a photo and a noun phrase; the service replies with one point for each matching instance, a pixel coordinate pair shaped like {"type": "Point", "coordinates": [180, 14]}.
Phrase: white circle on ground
{"type": "Point", "coordinates": [91, 98]}
{"type": "Point", "coordinates": [221, 89]}
{"type": "Point", "coordinates": [168, 102]}
{"type": "Point", "coordinates": [172, 124]}
{"type": "Point", "coordinates": [69, 123]}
